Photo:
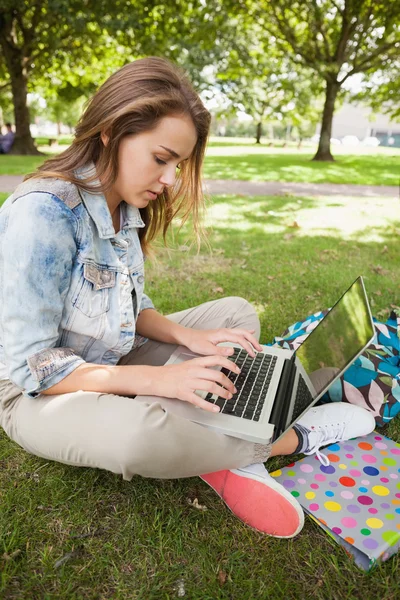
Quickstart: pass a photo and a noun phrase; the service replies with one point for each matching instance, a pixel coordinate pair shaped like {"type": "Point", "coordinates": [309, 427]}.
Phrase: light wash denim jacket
{"type": "Point", "coordinates": [70, 288]}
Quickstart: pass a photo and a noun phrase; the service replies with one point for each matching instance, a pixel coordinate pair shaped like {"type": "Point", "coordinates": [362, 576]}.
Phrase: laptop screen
{"type": "Point", "coordinates": [338, 338]}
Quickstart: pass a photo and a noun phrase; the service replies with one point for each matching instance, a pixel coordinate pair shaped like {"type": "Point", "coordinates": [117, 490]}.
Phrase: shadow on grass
{"type": "Point", "coordinates": [364, 219]}
{"type": "Point", "coordinates": [362, 170]}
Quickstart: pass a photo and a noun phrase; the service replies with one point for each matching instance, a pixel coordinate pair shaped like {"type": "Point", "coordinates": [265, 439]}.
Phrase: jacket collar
{"type": "Point", "coordinates": [97, 207]}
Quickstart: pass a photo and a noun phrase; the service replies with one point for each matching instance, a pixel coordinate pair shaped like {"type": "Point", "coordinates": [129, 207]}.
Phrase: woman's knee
{"type": "Point", "coordinates": [243, 314]}
{"type": "Point", "coordinates": [151, 449]}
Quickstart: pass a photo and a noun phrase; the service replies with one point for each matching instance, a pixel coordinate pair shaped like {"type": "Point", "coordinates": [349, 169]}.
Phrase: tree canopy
{"type": "Point", "coordinates": [72, 45]}
{"type": "Point", "coordinates": [335, 38]}
{"type": "Point", "coordinates": [275, 57]}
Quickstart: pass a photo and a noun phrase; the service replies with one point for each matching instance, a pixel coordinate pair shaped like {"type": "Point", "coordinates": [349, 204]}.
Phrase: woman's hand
{"type": "Point", "coordinates": [205, 341]}
{"type": "Point", "coordinates": [182, 380]}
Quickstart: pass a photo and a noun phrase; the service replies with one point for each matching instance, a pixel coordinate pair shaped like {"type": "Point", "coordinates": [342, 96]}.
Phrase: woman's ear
{"type": "Point", "coordinates": [104, 138]}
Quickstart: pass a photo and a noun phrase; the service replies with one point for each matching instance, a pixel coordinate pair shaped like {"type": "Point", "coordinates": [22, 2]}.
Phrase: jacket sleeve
{"type": "Point", "coordinates": [38, 246]}
{"type": "Point", "coordinates": [145, 303]}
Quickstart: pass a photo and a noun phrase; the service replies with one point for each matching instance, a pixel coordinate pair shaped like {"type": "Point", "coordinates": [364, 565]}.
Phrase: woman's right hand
{"type": "Point", "coordinates": [182, 380]}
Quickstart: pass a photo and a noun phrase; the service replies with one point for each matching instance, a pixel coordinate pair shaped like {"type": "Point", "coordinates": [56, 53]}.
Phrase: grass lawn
{"type": "Point", "coordinates": [271, 165]}
{"type": "Point", "coordinates": [261, 163]}
{"type": "Point", "coordinates": [19, 165]}
{"type": "Point", "coordinates": [74, 534]}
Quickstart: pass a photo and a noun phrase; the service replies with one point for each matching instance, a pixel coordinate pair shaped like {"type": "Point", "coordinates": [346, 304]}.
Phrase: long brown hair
{"type": "Point", "coordinates": [131, 101]}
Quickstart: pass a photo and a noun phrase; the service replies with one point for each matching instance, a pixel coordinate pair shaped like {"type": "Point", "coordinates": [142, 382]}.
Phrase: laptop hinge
{"type": "Point", "coordinates": [283, 396]}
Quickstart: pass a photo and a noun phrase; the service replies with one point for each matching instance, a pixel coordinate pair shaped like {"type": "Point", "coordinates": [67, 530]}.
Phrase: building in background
{"type": "Point", "coordinates": [360, 121]}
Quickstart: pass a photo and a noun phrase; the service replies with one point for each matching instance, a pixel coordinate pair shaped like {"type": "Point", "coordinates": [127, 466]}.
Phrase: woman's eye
{"type": "Point", "coordinates": [159, 161]}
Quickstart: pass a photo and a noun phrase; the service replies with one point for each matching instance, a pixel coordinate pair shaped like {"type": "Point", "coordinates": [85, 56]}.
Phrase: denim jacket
{"type": "Point", "coordinates": [71, 288]}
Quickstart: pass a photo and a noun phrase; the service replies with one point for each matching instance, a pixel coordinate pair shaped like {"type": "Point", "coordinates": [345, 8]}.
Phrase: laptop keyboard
{"type": "Point", "coordinates": [303, 399]}
{"type": "Point", "coordinates": [252, 385]}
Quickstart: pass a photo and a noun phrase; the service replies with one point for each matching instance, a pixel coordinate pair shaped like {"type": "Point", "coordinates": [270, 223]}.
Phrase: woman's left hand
{"type": "Point", "coordinates": [205, 342]}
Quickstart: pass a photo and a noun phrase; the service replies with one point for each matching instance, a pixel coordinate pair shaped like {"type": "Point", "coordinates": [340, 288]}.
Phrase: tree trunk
{"type": "Point", "coordinates": [258, 133]}
{"type": "Point", "coordinates": [23, 142]}
{"type": "Point", "coordinates": [324, 146]}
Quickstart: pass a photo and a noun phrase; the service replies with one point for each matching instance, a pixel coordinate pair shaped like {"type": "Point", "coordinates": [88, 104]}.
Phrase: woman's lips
{"type": "Point", "coordinates": [151, 195]}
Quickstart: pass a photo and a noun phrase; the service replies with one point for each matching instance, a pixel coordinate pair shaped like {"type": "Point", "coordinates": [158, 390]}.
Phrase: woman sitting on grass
{"type": "Point", "coordinates": [82, 349]}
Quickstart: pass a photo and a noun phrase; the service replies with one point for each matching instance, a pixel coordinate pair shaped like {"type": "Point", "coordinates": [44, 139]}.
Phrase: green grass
{"type": "Point", "coordinates": [19, 165]}
{"type": "Point", "coordinates": [261, 163]}
{"type": "Point", "coordinates": [269, 165]}
{"type": "Point", "coordinates": [138, 540]}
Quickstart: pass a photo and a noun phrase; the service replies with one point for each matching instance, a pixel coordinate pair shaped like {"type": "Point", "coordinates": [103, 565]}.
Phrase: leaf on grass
{"type": "Point", "coordinates": [270, 277]}
{"type": "Point", "coordinates": [384, 250]}
{"type": "Point", "coordinates": [180, 588]}
{"type": "Point", "coordinates": [8, 557]}
{"type": "Point", "coordinates": [379, 270]}
{"type": "Point", "coordinates": [69, 556]}
{"type": "Point", "coordinates": [382, 314]}
{"type": "Point", "coordinates": [195, 504]}
{"type": "Point", "coordinates": [377, 293]}
{"type": "Point", "coordinates": [218, 290]}
{"type": "Point", "coordinates": [221, 577]}
{"type": "Point", "coordinates": [81, 536]}
{"type": "Point", "coordinates": [295, 225]}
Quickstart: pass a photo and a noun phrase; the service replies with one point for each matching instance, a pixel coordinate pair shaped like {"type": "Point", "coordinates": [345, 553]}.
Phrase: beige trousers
{"type": "Point", "coordinates": [129, 435]}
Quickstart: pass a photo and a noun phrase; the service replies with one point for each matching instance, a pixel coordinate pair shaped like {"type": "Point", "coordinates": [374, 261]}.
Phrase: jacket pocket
{"type": "Point", "coordinates": [92, 292]}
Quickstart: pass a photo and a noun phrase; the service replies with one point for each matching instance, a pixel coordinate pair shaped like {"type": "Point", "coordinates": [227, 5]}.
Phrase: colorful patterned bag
{"type": "Point", "coordinates": [373, 380]}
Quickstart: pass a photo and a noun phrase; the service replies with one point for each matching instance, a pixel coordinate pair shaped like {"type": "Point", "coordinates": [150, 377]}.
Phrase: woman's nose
{"type": "Point", "coordinates": [168, 177]}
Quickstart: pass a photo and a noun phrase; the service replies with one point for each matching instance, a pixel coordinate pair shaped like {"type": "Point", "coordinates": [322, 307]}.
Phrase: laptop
{"type": "Point", "coordinates": [278, 386]}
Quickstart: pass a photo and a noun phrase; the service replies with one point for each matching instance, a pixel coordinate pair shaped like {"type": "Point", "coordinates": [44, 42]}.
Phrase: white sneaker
{"type": "Point", "coordinates": [258, 500]}
{"type": "Point", "coordinates": [335, 422]}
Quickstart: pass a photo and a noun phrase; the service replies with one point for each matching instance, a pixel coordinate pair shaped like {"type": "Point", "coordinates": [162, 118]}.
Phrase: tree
{"type": "Point", "coordinates": [39, 37]}
{"type": "Point", "coordinates": [260, 81]}
{"type": "Point", "coordinates": [334, 38]}
{"type": "Point", "coordinates": [275, 92]}
{"type": "Point", "coordinates": [382, 91]}
{"type": "Point", "coordinates": [34, 36]}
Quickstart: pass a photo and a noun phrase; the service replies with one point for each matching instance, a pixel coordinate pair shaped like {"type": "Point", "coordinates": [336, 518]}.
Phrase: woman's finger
{"type": "Point", "coordinates": [248, 336]}
{"type": "Point", "coordinates": [205, 385]}
{"type": "Point", "coordinates": [216, 361]}
{"type": "Point", "coordinates": [194, 399]}
{"type": "Point", "coordinates": [216, 376]}
{"type": "Point", "coordinates": [242, 341]}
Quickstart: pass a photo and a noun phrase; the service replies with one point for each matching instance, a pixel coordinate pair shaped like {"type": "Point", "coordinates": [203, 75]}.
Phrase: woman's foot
{"type": "Point", "coordinates": [258, 500]}
{"type": "Point", "coordinates": [330, 423]}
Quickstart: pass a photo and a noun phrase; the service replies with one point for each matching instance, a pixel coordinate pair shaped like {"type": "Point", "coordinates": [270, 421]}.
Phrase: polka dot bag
{"type": "Point", "coordinates": [356, 498]}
